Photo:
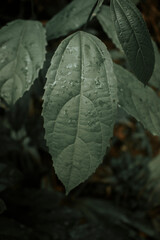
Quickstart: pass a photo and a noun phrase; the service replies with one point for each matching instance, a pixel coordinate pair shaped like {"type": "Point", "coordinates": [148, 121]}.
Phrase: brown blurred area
{"type": "Point", "coordinates": [151, 13]}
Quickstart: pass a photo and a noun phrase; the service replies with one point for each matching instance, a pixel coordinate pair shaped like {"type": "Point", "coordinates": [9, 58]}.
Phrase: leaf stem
{"type": "Point", "coordinates": [90, 15]}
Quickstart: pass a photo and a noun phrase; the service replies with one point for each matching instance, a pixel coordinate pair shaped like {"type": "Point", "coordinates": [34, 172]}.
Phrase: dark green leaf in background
{"type": "Point", "coordinates": [80, 105]}
{"type": "Point", "coordinates": [22, 53]}
{"type": "Point", "coordinates": [71, 18]}
{"type": "Point", "coordinates": [134, 38]}
{"type": "Point", "coordinates": [138, 101]}
{"type": "Point", "coordinates": [105, 19]}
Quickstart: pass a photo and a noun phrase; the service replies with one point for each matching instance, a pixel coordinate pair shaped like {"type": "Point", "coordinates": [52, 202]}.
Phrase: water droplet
{"type": "Point", "coordinates": [72, 49]}
{"type": "Point", "coordinates": [69, 73]}
{"type": "Point", "coordinates": [72, 122]}
{"type": "Point", "coordinates": [71, 83]}
{"type": "Point", "coordinates": [52, 84]}
{"type": "Point", "coordinates": [66, 112]}
{"type": "Point", "coordinates": [75, 65]}
{"type": "Point", "coordinates": [82, 78]}
{"type": "Point", "coordinates": [98, 83]}
{"type": "Point", "coordinates": [69, 66]}
{"type": "Point", "coordinates": [27, 59]}
{"type": "Point", "coordinates": [4, 47]}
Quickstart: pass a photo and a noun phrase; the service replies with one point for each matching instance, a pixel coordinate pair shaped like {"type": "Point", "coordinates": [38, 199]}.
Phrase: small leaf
{"type": "Point", "coordinates": [71, 18]}
{"type": "Point", "coordinates": [22, 53]}
{"type": "Point", "coordinates": [140, 102]}
{"type": "Point", "coordinates": [79, 107]}
{"type": "Point", "coordinates": [134, 38]}
{"type": "Point", "coordinates": [155, 78]}
{"type": "Point", "coordinates": [105, 19]}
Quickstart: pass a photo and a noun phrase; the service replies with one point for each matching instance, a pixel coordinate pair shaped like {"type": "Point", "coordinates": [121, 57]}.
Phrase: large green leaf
{"type": "Point", "coordinates": [22, 53]}
{"type": "Point", "coordinates": [134, 38]}
{"type": "Point", "coordinates": [79, 107]}
{"type": "Point", "coordinates": [71, 18]}
{"type": "Point", "coordinates": [140, 102]}
{"type": "Point", "coordinates": [105, 19]}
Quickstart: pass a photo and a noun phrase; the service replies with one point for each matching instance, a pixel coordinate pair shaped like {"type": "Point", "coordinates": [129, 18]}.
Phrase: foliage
{"type": "Point", "coordinates": [83, 91]}
{"type": "Point", "coordinates": [134, 38]}
{"type": "Point", "coordinates": [21, 57]}
{"type": "Point", "coordinates": [88, 103]}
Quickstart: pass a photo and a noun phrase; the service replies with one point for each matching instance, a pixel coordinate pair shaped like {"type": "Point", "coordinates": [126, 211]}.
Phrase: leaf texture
{"type": "Point", "coordinates": [71, 18]}
{"type": "Point", "coordinates": [22, 53]}
{"type": "Point", "coordinates": [80, 105]}
{"type": "Point", "coordinates": [140, 102]}
{"type": "Point", "coordinates": [134, 38]}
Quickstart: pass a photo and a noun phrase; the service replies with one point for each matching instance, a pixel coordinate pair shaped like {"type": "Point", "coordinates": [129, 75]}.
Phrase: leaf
{"type": "Point", "coordinates": [22, 53]}
{"type": "Point", "coordinates": [134, 38]}
{"type": "Point", "coordinates": [140, 102]}
{"type": "Point", "coordinates": [71, 18]}
{"type": "Point", "coordinates": [105, 19]}
{"type": "Point", "coordinates": [79, 107]}
{"type": "Point", "coordinates": [155, 78]}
